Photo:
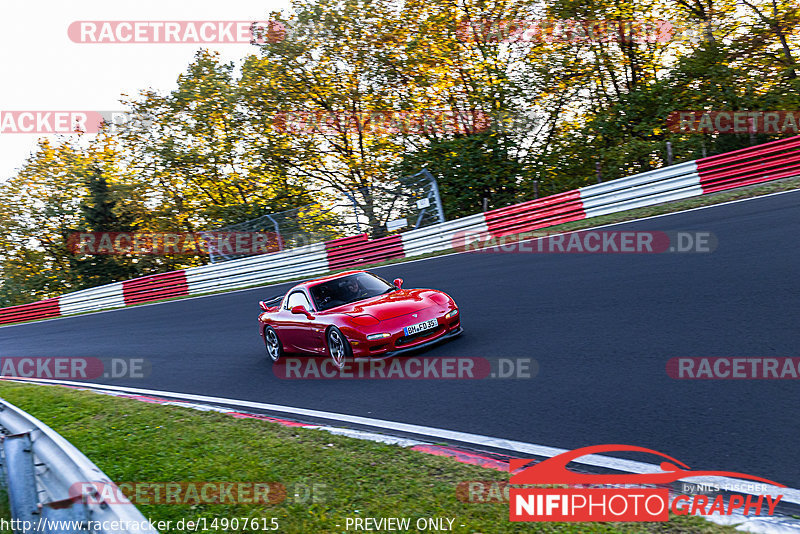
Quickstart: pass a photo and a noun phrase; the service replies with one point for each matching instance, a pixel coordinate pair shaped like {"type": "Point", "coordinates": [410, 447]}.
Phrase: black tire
{"type": "Point", "coordinates": [272, 344]}
{"type": "Point", "coordinates": [339, 348]}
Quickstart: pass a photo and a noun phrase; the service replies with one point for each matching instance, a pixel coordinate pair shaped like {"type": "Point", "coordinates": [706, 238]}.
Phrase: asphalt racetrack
{"type": "Point", "coordinates": [601, 326]}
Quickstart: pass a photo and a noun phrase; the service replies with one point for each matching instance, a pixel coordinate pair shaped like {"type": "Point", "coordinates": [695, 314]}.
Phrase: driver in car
{"type": "Point", "coordinates": [351, 289]}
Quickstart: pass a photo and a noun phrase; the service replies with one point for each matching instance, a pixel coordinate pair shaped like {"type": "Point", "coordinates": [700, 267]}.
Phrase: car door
{"type": "Point", "coordinates": [300, 331]}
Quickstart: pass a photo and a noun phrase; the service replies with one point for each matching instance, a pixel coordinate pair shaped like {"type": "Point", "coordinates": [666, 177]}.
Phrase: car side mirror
{"type": "Point", "coordinates": [398, 282]}
{"type": "Point", "coordinates": [300, 310]}
{"type": "Point", "coordinates": [263, 305]}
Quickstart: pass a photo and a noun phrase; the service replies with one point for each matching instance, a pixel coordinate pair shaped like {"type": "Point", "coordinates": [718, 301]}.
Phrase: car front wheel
{"type": "Point", "coordinates": [338, 347]}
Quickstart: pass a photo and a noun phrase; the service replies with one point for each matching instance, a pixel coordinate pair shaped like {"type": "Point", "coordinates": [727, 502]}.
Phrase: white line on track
{"type": "Point", "coordinates": [629, 466]}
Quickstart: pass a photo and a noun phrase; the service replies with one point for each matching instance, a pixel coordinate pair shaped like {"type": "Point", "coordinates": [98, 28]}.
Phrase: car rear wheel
{"type": "Point", "coordinates": [338, 347]}
{"type": "Point", "coordinates": [273, 344]}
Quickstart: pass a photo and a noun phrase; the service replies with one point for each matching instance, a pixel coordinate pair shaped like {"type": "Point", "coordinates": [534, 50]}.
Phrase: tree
{"type": "Point", "coordinates": [197, 159]}
{"type": "Point", "coordinates": [470, 170]}
{"type": "Point", "coordinates": [39, 209]}
{"type": "Point", "coordinates": [101, 212]}
{"type": "Point", "coordinates": [324, 80]}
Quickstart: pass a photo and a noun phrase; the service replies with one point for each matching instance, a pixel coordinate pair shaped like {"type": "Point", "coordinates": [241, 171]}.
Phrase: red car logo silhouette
{"type": "Point", "coordinates": [554, 470]}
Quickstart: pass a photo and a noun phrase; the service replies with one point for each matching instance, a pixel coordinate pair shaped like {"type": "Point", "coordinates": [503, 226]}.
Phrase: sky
{"type": "Point", "coordinates": [43, 69]}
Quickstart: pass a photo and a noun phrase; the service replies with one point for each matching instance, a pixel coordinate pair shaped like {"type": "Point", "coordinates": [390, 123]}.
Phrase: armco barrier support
{"type": "Point", "coordinates": [20, 474]}
{"type": "Point", "coordinates": [41, 473]}
{"type": "Point", "coordinates": [769, 161]}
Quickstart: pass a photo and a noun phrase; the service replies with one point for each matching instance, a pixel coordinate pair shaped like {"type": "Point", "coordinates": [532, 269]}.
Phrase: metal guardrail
{"type": "Point", "coordinates": [304, 261]}
{"type": "Point", "coordinates": [646, 189]}
{"type": "Point", "coordinates": [41, 473]}
{"type": "Point", "coordinates": [42, 309]}
{"type": "Point", "coordinates": [93, 299]}
{"type": "Point", "coordinates": [441, 236]}
{"type": "Point", "coordinates": [761, 163]}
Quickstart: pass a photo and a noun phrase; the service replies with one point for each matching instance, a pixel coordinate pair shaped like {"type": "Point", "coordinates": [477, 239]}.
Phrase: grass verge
{"type": "Point", "coordinates": [133, 441]}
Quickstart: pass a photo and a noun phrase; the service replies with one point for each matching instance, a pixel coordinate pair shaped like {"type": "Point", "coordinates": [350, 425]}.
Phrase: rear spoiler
{"type": "Point", "coordinates": [274, 301]}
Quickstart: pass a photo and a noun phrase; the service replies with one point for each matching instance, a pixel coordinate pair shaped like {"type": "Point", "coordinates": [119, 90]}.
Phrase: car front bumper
{"type": "Point", "coordinates": [447, 335]}
{"type": "Point", "coordinates": [399, 343]}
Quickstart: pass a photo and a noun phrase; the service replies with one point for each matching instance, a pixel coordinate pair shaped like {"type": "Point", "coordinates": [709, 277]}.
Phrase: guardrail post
{"type": "Point", "coordinates": [21, 478]}
{"type": "Point", "coordinates": [65, 514]}
{"type": "Point", "coordinates": [669, 153]}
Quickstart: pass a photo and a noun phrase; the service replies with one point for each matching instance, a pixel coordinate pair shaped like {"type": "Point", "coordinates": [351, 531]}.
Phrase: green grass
{"type": "Point", "coordinates": [5, 510]}
{"type": "Point", "coordinates": [133, 441]}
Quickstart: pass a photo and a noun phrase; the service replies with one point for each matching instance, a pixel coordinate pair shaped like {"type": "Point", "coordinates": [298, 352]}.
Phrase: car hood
{"type": "Point", "coordinates": [390, 305]}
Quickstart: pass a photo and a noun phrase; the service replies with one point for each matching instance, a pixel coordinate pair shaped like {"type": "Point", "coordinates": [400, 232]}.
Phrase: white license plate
{"type": "Point", "coordinates": [421, 327]}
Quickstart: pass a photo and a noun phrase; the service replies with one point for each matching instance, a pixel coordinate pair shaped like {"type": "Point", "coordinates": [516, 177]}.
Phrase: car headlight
{"type": "Point", "coordinates": [378, 336]}
{"type": "Point", "coordinates": [451, 314]}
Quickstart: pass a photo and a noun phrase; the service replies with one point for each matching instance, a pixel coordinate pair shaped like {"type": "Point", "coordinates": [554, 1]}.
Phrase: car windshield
{"type": "Point", "coordinates": [348, 289]}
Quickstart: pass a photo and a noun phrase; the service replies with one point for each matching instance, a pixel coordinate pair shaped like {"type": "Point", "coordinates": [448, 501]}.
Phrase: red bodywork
{"type": "Point", "coordinates": [389, 313]}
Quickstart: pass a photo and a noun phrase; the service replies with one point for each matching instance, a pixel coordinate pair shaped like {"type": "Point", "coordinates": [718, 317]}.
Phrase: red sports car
{"type": "Point", "coordinates": [355, 314]}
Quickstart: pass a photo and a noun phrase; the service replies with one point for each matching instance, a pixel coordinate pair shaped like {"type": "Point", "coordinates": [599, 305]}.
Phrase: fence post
{"type": "Point", "coordinates": [277, 231]}
{"type": "Point", "coordinates": [435, 189]}
{"type": "Point", "coordinates": [355, 209]}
